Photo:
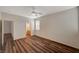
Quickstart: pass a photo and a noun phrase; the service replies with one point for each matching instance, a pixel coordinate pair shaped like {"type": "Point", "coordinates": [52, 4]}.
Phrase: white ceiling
{"type": "Point", "coordinates": [26, 10]}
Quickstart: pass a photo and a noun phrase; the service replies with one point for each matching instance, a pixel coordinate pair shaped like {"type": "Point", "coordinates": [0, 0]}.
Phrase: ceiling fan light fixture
{"type": "Point", "coordinates": [35, 14]}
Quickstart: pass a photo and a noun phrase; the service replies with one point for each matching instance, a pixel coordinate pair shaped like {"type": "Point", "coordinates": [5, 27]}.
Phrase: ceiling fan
{"type": "Point", "coordinates": [35, 13]}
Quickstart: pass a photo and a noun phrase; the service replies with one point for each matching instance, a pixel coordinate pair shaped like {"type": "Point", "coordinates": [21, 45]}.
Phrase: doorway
{"type": "Point", "coordinates": [8, 33]}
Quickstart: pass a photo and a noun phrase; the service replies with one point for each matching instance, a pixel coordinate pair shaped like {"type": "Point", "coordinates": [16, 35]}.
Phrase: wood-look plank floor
{"type": "Point", "coordinates": [37, 44]}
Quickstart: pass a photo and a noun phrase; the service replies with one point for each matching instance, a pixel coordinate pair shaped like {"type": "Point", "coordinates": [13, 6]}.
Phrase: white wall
{"type": "Point", "coordinates": [19, 29]}
{"type": "Point", "coordinates": [7, 27]}
{"type": "Point", "coordinates": [0, 16]}
{"type": "Point", "coordinates": [0, 34]}
{"type": "Point", "coordinates": [78, 18]}
{"type": "Point", "coordinates": [61, 27]}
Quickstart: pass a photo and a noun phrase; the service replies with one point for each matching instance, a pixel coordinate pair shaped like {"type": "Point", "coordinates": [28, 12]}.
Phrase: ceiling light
{"type": "Point", "coordinates": [35, 13]}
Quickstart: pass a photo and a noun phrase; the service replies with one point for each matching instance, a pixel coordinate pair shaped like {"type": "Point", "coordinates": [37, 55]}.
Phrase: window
{"type": "Point", "coordinates": [37, 23]}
